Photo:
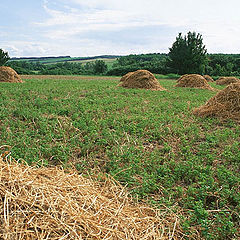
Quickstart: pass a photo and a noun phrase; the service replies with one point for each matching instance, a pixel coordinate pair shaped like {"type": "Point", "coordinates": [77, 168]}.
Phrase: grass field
{"type": "Point", "coordinates": [147, 140]}
{"type": "Point", "coordinates": [108, 60]}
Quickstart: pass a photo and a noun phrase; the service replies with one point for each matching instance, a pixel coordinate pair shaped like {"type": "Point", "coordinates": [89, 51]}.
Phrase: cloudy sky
{"type": "Point", "coordinates": [96, 27]}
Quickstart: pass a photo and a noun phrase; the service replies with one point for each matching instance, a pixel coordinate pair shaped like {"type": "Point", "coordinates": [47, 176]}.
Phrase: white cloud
{"type": "Point", "coordinates": [64, 24]}
{"type": "Point", "coordinates": [26, 48]}
{"type": "Point", "coordinates": [107, 17]}
{"type": "Point", "coordinates": [92, 27]}
{"type": "Point", "coordinates": [125, 11]}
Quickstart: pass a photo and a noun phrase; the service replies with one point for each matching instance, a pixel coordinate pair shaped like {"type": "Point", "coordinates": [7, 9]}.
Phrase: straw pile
{"type": "Point", "coordinates": [141, 79]}
{"type": "Point", "coordinates": [193, 81]}
{"type": "Point", "coordinates": [227, 80]}
{"type": "Point", "coordinates": [50, 203]}
{"type": "Point", "coordinates": [124, 77]}
{"type": "Point", "coordinates": [225, 105]}
{"type": "Point", "coordinates": [7, 74]}
{"type": "Point", "coordinates": [208, 78]}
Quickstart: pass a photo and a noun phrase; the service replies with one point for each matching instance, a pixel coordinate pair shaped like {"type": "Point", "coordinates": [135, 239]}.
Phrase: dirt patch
{"type": "Point", "coordinates": [208, 78]}
{"type": "Point", "coordinates": [50, 203]}
{"type": "Point", "coordinates": [193, 81]}
{"type": "Point", "coordinates": [226, 104]}
{"type": "Point", "coordinates": [7, 74]}
{"type": "Point", "coordinates": [227, 80]}
{"type": "Point", "coordinates": [142, 79]}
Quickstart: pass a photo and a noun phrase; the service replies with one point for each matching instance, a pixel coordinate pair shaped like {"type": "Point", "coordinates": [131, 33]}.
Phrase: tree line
{"type": "Point", "coordinates": [217, 65]}
{"type": "Point", "coordinates": [67, 68]}
{"type": "Point", "coordinates": [187, 54]}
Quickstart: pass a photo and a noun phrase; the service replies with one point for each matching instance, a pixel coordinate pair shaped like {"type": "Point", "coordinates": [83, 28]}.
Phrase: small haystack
{"type": "Point", "coordinates": [226, 104]}
{"type": "Point", "coordinates": [50, 203]}
{"type": "Point", "coordinates": [124, 77]}
{"type": "Point", "coordinates": [193, 81]}
{"type": "Point", "coordinates": [208, 78]}
{"type": "Point", "coordinates": [7, 74]}
{"type": "Point", "coordinates": [227, 80]}
{"type": "Point", "coordinates": [142, 79]}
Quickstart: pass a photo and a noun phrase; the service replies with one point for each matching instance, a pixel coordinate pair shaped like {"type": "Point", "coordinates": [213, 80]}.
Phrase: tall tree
{"type": "Point", "coordinates": [188, 54]}
{"type": "Point", "coordinates": [4, 57]}
{"type": "Point", "coordinates": [99, 67]}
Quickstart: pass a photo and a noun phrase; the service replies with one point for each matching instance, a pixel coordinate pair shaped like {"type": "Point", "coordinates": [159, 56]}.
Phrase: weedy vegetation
{"type": "Point", "coordinates": [147, 140]}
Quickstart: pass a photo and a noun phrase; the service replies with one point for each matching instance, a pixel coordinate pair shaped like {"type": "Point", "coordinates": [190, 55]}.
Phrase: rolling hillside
{"type": "Point", "coordinates": [52, 60]}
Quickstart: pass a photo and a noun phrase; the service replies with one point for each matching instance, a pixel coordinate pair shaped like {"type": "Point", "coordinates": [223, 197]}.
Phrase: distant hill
{"type": "Point", "coordinates": [50, 60]}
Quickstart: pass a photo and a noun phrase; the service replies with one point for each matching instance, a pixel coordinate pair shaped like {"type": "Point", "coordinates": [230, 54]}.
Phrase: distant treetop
{"type": "Point", "coordinates": [188, 54]}
{"type": "Point", "coordinates": [4, 57]}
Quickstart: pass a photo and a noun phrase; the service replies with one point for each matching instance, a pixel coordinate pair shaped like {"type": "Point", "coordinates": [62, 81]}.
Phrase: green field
{"type": "Point", "coordinates": [147, 140]}
{"type": "Point", "coordinates": [109, 60]}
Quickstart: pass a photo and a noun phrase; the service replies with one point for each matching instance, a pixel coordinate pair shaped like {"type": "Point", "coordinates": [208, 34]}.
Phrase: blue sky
{"type": "Point", "coordinates": [96, 27]}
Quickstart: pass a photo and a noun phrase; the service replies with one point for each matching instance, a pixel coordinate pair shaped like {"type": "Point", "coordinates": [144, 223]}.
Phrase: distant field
{"type": "Point", "coordinates": [147, 140]}
{"type": "Point", "coordinates": [51, 60]}
{"type": "Point", "coordinates": [109, 62]}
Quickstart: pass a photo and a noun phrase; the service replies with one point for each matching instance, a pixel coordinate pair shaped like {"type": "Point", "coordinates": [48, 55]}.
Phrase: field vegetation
{"type": "Point", "coordinates": [147, 140]}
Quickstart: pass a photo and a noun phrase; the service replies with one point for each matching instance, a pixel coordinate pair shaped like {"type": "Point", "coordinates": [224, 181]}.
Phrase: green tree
{"type": "Point", "coordinates": [219, 70]}
{"type": "Point", "coordinates": [4, 57]}
{"type": "Point", "coordinates": [99, 67]}
{"type": "Point", "coordinates": [188, 54]}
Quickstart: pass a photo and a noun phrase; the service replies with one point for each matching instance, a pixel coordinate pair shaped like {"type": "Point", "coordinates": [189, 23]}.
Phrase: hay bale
{"type": "Point", "coordinates": [142, 79]}
{"type": "Point", "coordinates": [7, 74]}
{"type": "Point", "coordinates": [226, 104]}
{"type": "Point", "coordinates": [193, 81]}
{"type": "Point", "coordinates": [227, 80]}
{"type": "Point", "coordinates": [208, 78]}
{"type": "Point", "coordinates": [50, 203]}
{"type": "Point", "coordinates": [124, 77]}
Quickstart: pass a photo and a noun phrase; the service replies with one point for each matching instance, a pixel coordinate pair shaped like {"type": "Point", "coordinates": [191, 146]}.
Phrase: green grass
{"type": "Point", "coordinates": [149, 140]}
{"type": "Point", "coordinates": [108, 61]}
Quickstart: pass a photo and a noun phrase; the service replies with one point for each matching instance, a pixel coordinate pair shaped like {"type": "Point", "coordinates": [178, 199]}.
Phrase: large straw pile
{"type": "Point", "coordinates": [48, 203]}
{"type": "Point", "coordinates": [7, 74]}
{"type": "Point", "coordinates": [193, 81]}
{"type": "Point", "coordinates": [124, 77]}
{"type": "Point", "coordinates": [208, 78]}
{"type": "Point", "coordinates": [227, 80]}
{"type": "Point", "coordinates": [141, 79]}
{"type": "Point", "coordinates": [226, 104]}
